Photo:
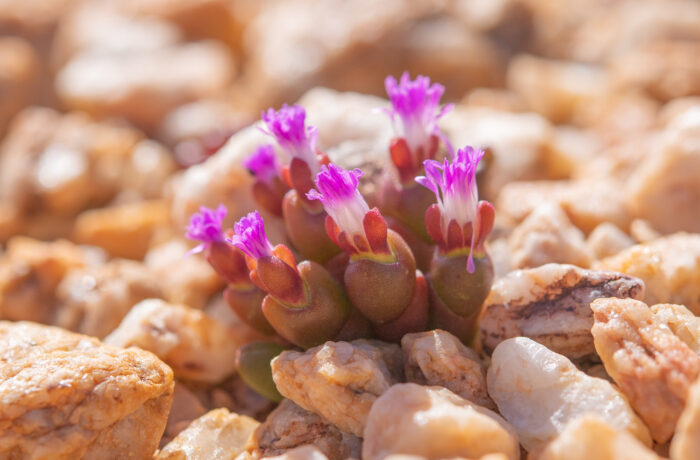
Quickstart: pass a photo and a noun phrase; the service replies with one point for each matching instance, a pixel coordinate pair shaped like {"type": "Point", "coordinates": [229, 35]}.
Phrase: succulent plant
{"type": "Point", "coordinates": [241, 294]}
{"type": "Point", "coordinates": [461, 272]}
{"type": "Point", "coordinates": [415, 110]}
{"type": "Point", "coordinates": [361, 271]}
{"type": "Point", "coordinates": [303, 218]}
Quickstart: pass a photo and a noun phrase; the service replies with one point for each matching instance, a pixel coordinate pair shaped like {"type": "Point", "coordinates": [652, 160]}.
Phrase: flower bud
{"type": "Point", "coordinates": [415, 111]}
{"type": "Point", "coordinates": [268, 188]}
{"type": "Point", "coordinates": [458, 222]}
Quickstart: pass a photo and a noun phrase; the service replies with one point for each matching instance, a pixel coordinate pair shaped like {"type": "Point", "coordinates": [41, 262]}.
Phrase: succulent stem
{"type": "Point", "coordinates": [306, 228]}
{"type": "Point", "coordinates": [382, 290]}
{"type": "Point", "coordinates": [463, 293]}
{"type": "Point", "coordinates": [246, 303]}
{"type": "Point", "coordinates": [270, 195]}
{"type": "Point", "coordinates": [253, 363]}
{"type": "Point", "coordinates": [228, 262]}
{"type": "Point", "coordinates": [413, 319]}
{"type": "Point", "coordinates": [323, 316]}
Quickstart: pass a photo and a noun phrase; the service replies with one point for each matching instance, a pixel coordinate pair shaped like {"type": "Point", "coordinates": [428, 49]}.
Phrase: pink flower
{"type": "Point", "coordinates": [337, 191]}
{"type": "Point", "coordinates": [416, 104]}
{"type": "Point", "coordinates": [288, 127]}
{"type": "Point", "coordinates": [263, 163]}
{"type": "Point", "coordinates": [458, 219]}
{"type": "Point", "coordinates": [250, 236]}
{"type": "Point", "coordinates": [205, 226]}
{"type": "Point", "coordinates": [355, 228]}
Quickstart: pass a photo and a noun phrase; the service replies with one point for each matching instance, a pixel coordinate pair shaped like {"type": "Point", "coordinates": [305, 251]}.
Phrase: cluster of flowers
{"type": "Point", "coordinates": [415, 260]}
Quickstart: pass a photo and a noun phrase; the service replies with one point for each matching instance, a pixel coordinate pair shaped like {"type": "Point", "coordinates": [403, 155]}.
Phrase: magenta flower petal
{"type": "Point", "coordinates": [454, 185]}
{"type": "Point", "coordinates": [205, 226]}
{"type": "Point", "coordinates": [250, 236]}
{"type": "Point", "coordinates": [288, 127]}
{"type": "Point", "coordinates": [337, 191]}
{"type": "Point", "coordinates": [263, 163]}
{"type": "Point", "coordinates": [416, 104]}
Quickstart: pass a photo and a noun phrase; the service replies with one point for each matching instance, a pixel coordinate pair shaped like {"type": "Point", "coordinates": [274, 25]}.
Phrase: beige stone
{"type": "Point", "coordinates": [521, 144]}
{"type": "Point", "coordinates": [332, 53]}
{"type": "Point", "coordinates": [650, 364]}
{"type": "Point", "coordinates": [556, 89]}
{"type": "Point", "coordinates": [100, 27]}
{"type": "Point", "coordinates": [607, 240]}
{"type": "Point", "coordinates": [125, 230]}
{"type": "Point", "coordinates": [337, 380]}
{"type": "Point", "coordinates": [143, 86]}
{"type": "Point", "coordinates": [434, 423]}
{"type": "Point", "coordinates": [217, 434]}
{"type": "Point", "coordinates": [628, 25]}
{"type": "Point", "coordinates": [589, 437]}
{"type": "Point", "coordinates": [550, 305]}
{"type": "Point", "coordinates": [666, 69]}
{"type": "Point", "coordinates": [53, 166]}
{"type": "Point", "coordinates": [438, 358]}
{"type": "Point", "coordinates": [586, 203]}
{"type": "Point", "coordinates": [681, 321]}
{"type": "Point", "coordinates": [686, 442]}
{"type": "Point", "coordinates": [19, 67]}
{"type": "Point", "coordinates": [31, 271]}
{"type": "Point", "coordinates": [217, 19]}
{"type": "Point", "coordinates": [289, 427]}
{"type": "Point", "coordinates": [185, 408]}
{"type": "Point", "coordinates": [669, 267]}
{"type": "Point", "coordinates": [94, 301]}
{"type": "Point", "coordinates": [68, 396]}
{"type": "Point", "coordinates": [665, 189]}
{"type": "Point", "coordinates": [301, 453]}
{"type": "Point", "coordinates": [547, 236]}
{"type": "Point", "coordinates": [197, 347]}
{"type": "Point", "coordinates": [539, 392]}
{"type": "Point", "coordinates": [193, 283]}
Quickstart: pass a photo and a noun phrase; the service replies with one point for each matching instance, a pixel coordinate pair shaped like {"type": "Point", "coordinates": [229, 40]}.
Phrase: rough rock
{"type": "Point", "coordinates": [194, 282]}
{"type": "Point", "coordinates": [30, 272]}
{"type": "Point", "coordinates": [681, 321]}
{"type": "Point", "coordinates": [589, 437]}
{"type": "Point", "coordinates": [123, 230]}
{"type": "Point", "coordinates": [665, 189]}
{"type": "Point", "coordinates": [185, 408]}
{"type": "Point", "coordinates": [650, 364]}
{"type": "Point", "coordinates": [66, 395]}
{"type": "Point", "coordinates": [197, 347]}
{"type": "Point", "coordinates": [669, 267]}
{"type": "Point", "coordinates": [686, 442]}
{"type": "Point", "coordinates": [438, 358]}
{"type": "Point", "coordinates": [547, 236]}
{"type": "Point", "coordinates": [143, 86]}
{"type": "Point", "coordinates": [435, 423]}
{"type": "Point", "coordinates": [289, 427]}
{"type": "Point", "coordinates": [539, 392]}
{"type": "Point", "coordinates": [607, 240]}
{"type": "Point", "coordinates": [217, 434]}
{"type": "Point", "coordinates": [587, 203]}
{"type": "Point", "coordinates": [94, 301]}
{"type": "Point", "coordinates": [337, 380]}
{"type": "Point", "coordinates": [550, 304]}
